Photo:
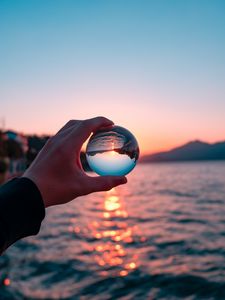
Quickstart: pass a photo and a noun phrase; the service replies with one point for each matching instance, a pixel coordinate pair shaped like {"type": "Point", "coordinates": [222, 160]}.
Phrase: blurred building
{"type": "Point", "coordinates": [13, 148]}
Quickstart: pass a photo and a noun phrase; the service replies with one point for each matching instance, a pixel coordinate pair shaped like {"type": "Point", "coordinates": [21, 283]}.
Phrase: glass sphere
{"type": "Point", "coordinates": [112, 151]}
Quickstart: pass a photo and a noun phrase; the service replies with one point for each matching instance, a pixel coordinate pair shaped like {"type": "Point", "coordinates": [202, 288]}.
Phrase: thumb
{"type": "Point", "coordinates": [105, 183]}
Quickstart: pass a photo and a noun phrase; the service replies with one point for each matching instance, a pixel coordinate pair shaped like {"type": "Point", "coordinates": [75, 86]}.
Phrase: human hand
{"type": "Point", "coordinates": [57, 169]}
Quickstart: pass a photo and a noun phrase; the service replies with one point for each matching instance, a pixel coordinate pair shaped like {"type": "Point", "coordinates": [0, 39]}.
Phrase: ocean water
{"type": "Point", "coordinates": [161, 236]}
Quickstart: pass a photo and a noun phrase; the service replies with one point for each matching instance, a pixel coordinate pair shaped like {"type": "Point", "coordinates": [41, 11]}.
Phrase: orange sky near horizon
{"type": "Point", "coordinates": [156, 68]}
{"type": "Point", "coordinates": [153, 134]}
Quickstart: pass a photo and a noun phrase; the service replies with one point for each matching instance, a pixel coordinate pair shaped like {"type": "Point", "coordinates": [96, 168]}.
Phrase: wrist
{"type": "Point", "coordinates": [38, 184]}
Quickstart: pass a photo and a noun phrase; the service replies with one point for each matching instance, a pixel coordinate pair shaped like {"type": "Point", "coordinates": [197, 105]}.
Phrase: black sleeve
{"type": "Point", "coordinates": [21, 211]}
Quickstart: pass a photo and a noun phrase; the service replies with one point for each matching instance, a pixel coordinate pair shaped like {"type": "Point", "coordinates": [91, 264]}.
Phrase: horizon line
{"type": "Point", "coordinates": [145, 153]}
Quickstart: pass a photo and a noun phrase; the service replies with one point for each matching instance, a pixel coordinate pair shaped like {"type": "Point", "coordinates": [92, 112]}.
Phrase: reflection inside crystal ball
{"type": "Point", "coordinates": [112, 151]}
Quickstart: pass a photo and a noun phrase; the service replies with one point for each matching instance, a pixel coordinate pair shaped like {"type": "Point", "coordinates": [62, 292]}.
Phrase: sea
{"type": "Point", "coordinates": [160, 236]}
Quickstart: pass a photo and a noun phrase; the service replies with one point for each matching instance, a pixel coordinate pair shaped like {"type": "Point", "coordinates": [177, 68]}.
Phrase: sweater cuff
{"type": "Point", "coordinates": [21, 209]}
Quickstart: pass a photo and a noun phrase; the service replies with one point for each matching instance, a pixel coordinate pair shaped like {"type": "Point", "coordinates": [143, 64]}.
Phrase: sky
{"type": "Point", "coordinates": [154, 67]}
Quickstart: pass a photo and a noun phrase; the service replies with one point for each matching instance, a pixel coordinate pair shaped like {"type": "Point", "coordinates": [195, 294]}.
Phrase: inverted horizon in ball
{"type": "Point", "coordinates": [112, 151]}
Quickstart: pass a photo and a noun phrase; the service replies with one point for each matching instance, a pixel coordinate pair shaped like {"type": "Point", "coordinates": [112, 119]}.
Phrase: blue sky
{"type": "Point", "coordinates": [155, 67]}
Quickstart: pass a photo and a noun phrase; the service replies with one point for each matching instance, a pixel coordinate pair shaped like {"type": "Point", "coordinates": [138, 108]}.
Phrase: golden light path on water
{"type": "Point", "coordinates": [113, 235]}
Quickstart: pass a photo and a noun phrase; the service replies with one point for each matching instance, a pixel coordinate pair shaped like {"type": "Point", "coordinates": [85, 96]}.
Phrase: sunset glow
{"type": "Point", "coordinates": [113, 235]}
{"type": "Point", "coordinates": [162, 76]}
{"type": "Point", "coordinates": [126, 94]}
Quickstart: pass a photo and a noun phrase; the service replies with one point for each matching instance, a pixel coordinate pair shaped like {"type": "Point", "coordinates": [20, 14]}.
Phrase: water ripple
{"type": "Point", "coordinates": [162, 236]}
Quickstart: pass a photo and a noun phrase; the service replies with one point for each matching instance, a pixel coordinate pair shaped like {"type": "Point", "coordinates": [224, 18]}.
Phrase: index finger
{"type": "Point", "coordinates": [80, 134]}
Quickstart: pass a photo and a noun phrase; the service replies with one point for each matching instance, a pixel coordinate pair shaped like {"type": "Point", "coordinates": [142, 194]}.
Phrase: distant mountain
{"type": "Point", "coordinates": [193, 151]}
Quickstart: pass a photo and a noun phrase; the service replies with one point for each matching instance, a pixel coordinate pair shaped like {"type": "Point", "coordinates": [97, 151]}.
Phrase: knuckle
{"type": "Point", "coordinates": [97, 119]}
{"type": "Point", "coordinates": [101, 119]}
{"type": "Point", "coordinates": [72, 122]}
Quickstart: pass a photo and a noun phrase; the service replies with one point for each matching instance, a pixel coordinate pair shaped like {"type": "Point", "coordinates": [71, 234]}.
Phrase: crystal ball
{"type": "Point", "coordinates": [112, 151]}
